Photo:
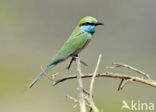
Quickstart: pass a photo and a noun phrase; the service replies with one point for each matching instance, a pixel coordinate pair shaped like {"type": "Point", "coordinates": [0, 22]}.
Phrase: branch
{"type": "Point", "coordinates": [123, 83]}
{"type": "Point", "coordinates": [94, 108]}
{"type": "Point", "coordinates": [111, 75]}
{"type": "Point", "coordinates": [76, 101]}
{"type": "Point", "coordinates": [88, 100]}
{"type": "Point", "coordinates": [80, 87]}
{"type": "Point", "coordinates": [131, 68]}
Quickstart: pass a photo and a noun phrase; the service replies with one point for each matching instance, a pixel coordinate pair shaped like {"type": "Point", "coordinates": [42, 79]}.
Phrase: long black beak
{"type": "Point", "coordinates": [99, 23]}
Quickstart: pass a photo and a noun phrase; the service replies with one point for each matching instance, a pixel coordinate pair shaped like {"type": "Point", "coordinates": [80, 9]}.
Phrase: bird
{"type": "Point", "coordinates": [77, 41]}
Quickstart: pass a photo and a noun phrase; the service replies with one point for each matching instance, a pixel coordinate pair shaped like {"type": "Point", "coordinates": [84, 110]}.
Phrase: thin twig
{"type": "Point", "coordinates": [72, 98]}
{"type": "Point", "coordinates": [124, 83]}
{"type": "Point", "coordinates": [86, 92]}
{"type": "Point", "coordinates": [76, 101]}
{"type": "Point", "coordinates": [94, 75]}
{"type": "Point", "coordinates": [95, 109]}
{"type": "Point", "coordinates": [80, 87]}
{"type": "Point", "coordinates": [131, 68]}
{"type": "Point", "coordinates": [119, 88]}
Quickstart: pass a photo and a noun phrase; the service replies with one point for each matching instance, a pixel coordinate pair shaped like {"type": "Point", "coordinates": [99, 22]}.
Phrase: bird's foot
{"type": "Point", "coordinates": [73, 59]}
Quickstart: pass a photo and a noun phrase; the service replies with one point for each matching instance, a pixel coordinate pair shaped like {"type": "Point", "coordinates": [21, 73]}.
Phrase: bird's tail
{"type": "Point", "coordinates": [40, 75]}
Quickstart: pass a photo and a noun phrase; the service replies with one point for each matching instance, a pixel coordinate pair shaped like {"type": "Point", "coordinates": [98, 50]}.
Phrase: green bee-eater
{"type": "Point", "coordinates": [78, 40]}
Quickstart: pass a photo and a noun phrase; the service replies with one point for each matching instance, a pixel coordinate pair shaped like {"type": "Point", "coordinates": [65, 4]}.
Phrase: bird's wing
{"type": "Point", "coordinates": [76, 41]}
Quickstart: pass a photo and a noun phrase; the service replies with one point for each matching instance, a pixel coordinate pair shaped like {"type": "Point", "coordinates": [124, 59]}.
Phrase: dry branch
{"type": "Point", "coordinates": [94, 108]}
{"type": "Point", "coordinates": [85, 97]}
{"type": "Point", "coordinates": [80, 87]}
{"type": "Point", "coordinates": [111, 75]}
{"type": "Point", "coordinates": [117, 65]}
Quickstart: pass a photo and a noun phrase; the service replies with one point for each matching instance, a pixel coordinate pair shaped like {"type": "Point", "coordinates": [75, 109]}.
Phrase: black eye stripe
{"type": "Point", "coordinates": [87, 23]}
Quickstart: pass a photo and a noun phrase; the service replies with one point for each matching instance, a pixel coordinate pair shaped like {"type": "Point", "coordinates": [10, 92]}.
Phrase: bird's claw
{"type": "Point", "coordinates": [73, 59]}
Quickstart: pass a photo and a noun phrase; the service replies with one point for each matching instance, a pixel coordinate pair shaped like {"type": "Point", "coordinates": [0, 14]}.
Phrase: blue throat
{"type": "Point", "coordinates": [88, 28]}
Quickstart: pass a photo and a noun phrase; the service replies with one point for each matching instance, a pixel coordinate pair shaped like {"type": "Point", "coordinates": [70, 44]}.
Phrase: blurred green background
{"type": "Point", "coordinates": [31, 32]}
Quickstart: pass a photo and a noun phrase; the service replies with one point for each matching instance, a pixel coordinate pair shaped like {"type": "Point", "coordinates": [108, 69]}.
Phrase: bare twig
{"type": "Point", "coordinates": [111, 75]}
{"type": "Point", "coordinates": [120, 84]}
{"type": "Point", "coordinates": [72, 98]}
{"type": "Point", "coordinates": [124, 82]}
{"type": "Point", "coordinates": [94, 75]}
{"type": "Point", "coordinates": [86, 92]}
{"type": "Point", "coordinates": [131, 68]}
{"type": "Point", "coordinates": [76, 101]}
{"type": "Point", "coordinates": [80, 87]}
{"type": "Point", "coordinates": [84, 63]}
{"type": "Point", "coordinates": [94, 108]}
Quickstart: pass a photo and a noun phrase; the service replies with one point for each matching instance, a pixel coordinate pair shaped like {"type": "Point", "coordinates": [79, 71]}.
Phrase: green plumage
{"type": "Point", "coordinates": [78, 40]}
{"type": "Point", "coordinates": [72, 46]}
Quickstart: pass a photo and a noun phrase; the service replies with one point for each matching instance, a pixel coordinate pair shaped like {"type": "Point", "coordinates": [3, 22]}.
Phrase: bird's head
{"type": "Point", "coordinates": [88, 24]}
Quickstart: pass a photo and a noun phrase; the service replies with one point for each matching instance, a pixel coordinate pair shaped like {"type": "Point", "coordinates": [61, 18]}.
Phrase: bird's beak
{"type": "Point", "coordinates": [99, 23]}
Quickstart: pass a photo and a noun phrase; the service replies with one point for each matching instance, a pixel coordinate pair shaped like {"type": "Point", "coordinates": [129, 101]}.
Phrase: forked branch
{"type": "Point", "coordinates": [111, 75]}
{"type": "Point", "coordinates": [88, 99]}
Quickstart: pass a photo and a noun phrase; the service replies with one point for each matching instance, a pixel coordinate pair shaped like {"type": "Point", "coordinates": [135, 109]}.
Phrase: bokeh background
{"type": "Point", "coordinates": [31, 32]}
